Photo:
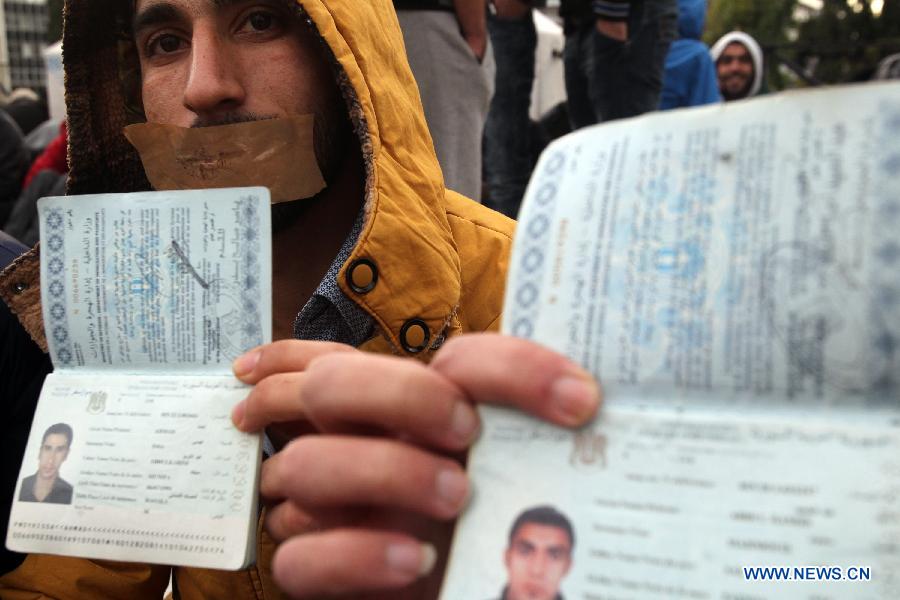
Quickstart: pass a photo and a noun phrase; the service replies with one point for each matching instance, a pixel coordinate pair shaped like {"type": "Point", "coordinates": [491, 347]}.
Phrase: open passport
{"type": "Point", "coordinates": [147, 299]}
{"type": "Point", "coordinates": [731, 274]}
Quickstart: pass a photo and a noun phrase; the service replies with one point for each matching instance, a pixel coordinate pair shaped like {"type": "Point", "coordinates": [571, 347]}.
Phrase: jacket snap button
{"type": "Point", "coordinates": [362, 276]}
{"type": "Point", "coordinates": [414, 336]}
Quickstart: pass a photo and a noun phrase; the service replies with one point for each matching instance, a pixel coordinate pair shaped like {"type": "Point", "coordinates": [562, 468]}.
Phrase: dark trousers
{"type": "Point", "coordinates": [607, 79]}
{"type": "Point", "coordinates": [507, 138]}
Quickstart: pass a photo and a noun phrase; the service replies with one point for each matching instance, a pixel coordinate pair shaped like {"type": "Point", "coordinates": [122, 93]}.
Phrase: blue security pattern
{"type": "Point", "coordinates": [55, 254]}
{"type": "Point", "coordinates": [533, 240]}
{"type": "Point", "coordinates": [251, 330]}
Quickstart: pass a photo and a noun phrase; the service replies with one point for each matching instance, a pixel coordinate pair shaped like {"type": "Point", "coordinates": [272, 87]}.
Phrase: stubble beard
{"type": "Point", "coordinates": [742, 92]}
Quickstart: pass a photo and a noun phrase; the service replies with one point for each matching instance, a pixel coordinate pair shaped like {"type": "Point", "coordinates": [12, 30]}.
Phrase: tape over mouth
{"type": "Point", "coordinates": [276, 153]}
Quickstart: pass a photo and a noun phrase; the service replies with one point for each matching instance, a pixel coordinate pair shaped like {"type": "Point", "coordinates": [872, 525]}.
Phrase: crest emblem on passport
{"type": "Point", "coordinates": [97, 403]}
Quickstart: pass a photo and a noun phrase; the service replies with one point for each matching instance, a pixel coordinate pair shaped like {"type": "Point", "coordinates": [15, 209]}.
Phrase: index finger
{"type": "Point", "coordinates": [498, 369]}
{"type": "Point", "coordinates": [283, 356]}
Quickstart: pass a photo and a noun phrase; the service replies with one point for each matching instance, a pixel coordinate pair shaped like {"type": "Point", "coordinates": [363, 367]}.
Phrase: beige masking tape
{"type": "Point", "coordinates": [275, 153]}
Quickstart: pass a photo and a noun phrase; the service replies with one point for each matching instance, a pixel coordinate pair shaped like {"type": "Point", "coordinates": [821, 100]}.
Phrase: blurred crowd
{"type": "Point", "coordinates": [622, 58]}
{"type": "Point", "coordinates": [32, 161]}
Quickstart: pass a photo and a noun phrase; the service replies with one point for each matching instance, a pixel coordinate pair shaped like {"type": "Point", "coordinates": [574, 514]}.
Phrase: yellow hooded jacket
{"type": "Point", "coordinates": [440, 258]}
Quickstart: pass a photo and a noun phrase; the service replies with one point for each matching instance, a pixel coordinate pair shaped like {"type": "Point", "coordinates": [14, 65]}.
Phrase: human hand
{"type": "Point", "coordinates": [351, 507]}
{"type": "Point", "coordinates": [478, 44]}
{"type": "Point", "coordinates": [617, 30]}
{"type": "Point", "coordinates": [472, 18]}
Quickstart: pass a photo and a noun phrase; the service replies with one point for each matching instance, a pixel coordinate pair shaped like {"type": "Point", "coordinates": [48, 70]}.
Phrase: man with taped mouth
{"type": "Point", "coordinates": [386, 285]}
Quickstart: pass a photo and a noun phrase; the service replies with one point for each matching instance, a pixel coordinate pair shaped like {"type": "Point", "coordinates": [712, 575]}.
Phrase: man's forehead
{"type": "Point", "coordinates": [56, 439]}
{"type": "Point", "coordinates": [155, 9]}
{"type": "Point", "coordinates": [195, 4]}
{"type": "Point", "coordinates": [736, 48]}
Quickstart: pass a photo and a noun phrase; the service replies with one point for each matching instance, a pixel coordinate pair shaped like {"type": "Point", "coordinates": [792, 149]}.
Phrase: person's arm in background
{"type": "Point", "coordinates": [472, 17]}
{"type": "Point", "coordinates": [612, 18]}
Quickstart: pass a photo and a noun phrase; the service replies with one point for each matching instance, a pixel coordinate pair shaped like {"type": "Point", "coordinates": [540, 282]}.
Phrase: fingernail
{"type": "Point", "coordinates": [237, 414]}
{"type": "Point", "coordinates": [429, 557]}
{"type": "Point", "coordinates": [246, 363]}
{"type": "Point", "coordinates": [411, 559]}
{"type": "Point", "coordinates": [453, 488]}
{"type": "Point", "coordinates": [576, 397]}
{"type": "Point", "coordinates": [464, 423]}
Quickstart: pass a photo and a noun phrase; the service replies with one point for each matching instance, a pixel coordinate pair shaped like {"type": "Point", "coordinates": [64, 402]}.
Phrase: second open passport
{"type": "Point", "coordinates": [147, 300]}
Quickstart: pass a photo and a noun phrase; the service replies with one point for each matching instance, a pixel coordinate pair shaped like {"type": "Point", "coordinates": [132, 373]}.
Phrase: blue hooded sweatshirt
{"type": "Point", "coordinates": [690, 76]}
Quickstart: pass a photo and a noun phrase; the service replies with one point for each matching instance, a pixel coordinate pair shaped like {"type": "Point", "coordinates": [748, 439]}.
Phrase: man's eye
{"type": "Point", "coordinates": [165, 44]}
{"type": "Point", "coordinates": [261, 21]}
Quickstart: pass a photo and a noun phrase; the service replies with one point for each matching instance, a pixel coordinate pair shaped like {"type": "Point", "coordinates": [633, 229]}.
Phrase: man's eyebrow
{"type": "Point", "coordinates": [524, 544]}
{"type": "Point", "coordinates": [224, 3]}
{"type": "Point", "coordinates": [155, 15]}
{"type": "Point", "coordinates": [274, 3]}
{"type": "Point", "coordinates": [164, 12]}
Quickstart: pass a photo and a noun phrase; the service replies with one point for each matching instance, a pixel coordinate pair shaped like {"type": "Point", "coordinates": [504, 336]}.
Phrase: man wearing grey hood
{"type": "Point", "coordinates": [739, 65]}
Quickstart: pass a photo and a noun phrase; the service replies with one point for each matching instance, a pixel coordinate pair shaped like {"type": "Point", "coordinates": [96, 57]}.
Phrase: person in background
{"type": "Point", "coordinates": [26, 108]}
{"type": "Point", "coordinates": [450, 56]}
{"type": "Point", "coordinates": [739, 65]}
{"type": "Point", "coordinates": [14, 159]}
{"type": "Point", "coordinates": [690, 76]}
{"type": "Point", "coordinates": [614, 56]}
{"type": "Point", "coordinates": [507, 132]}
{"type": "Point", "coordinates": [46, 177]}
{"type": "Point", "coordinates": [53, 158]}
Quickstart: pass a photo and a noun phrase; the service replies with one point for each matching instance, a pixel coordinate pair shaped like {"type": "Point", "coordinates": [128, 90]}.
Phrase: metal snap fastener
{"type": "Point", "coordinates": [362, 276]}
{"type": "Point", "coordinates": [414, 336]}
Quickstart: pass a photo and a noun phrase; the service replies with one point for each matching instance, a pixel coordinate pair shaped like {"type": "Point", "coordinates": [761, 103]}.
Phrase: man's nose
{"type": "Point", "coordinates": [214, 83]}
{"type": "Point", "coordinates": [538, 565]}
